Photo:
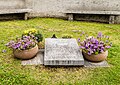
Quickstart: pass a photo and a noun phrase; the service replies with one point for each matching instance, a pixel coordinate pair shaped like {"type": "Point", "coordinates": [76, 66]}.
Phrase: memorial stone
{"type": "Point", "coordinates": [62, 52]}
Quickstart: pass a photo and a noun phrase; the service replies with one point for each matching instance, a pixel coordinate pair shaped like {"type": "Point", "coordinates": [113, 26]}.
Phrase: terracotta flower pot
{"type": "Point", "coordinates": [96, 58]}
{"type": "Point", "coordinates": [26, 54]}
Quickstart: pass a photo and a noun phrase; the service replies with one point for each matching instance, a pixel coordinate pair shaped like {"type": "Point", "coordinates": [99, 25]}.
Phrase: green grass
{"type": "Point", "coordinates": [13, 73]}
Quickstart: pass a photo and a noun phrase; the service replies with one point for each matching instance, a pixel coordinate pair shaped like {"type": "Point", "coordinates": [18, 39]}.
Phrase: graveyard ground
{"type": "Point", "coordinates": [13, 73]}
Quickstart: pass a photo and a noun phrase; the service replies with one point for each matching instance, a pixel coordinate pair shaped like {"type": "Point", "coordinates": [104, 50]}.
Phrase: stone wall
{"type": "Point", "coordinates": [58, 7]}
{"type": "Point", "coordinates": [12, 4]}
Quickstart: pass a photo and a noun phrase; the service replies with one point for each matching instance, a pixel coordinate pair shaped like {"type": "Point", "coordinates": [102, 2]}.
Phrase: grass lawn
{"type": "Point", "coordinates": [13, 73]}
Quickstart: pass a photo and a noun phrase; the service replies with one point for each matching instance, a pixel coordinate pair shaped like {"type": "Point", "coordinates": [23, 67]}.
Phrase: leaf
{"type": "Point", "coordinates": [96, 53]}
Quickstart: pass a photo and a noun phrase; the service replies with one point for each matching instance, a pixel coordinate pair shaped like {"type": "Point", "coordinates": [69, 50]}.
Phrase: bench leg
{"type": "Point", "coordinates": [111, 19]}
{"type": "Point", "coordinates": [70, 17]}
{"type": "Point", "coordinates": [26, 16]}
{"type": "Point", "coordinates": [117, 21]}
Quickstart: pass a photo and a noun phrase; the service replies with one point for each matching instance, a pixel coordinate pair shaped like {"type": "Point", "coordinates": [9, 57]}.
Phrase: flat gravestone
{"type": "Point", "coordinates": [62, 52]}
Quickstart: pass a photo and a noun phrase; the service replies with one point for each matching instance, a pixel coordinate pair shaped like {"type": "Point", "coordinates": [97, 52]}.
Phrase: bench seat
{"type": "Point", "coordinates": [16, 11]}
{"type": "Point", "coordinates": [112, 14]}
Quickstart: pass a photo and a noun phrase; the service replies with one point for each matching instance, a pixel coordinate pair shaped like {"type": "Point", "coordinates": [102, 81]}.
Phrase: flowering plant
{"type": "Point", "coordinates": [33, 32]}
{"type": "Point", "coordinates": [95, 45]}
{"type": "Point", "coordinates": [24, 43]}
{"type": "Point", "coordinates": [67, 36]}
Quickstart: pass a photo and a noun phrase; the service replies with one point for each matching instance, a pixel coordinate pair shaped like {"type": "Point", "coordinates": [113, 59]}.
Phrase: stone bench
{"type": "Point", "coordinates": [15, 11]}
{"type": "Point", "coordinates": [112, 14]}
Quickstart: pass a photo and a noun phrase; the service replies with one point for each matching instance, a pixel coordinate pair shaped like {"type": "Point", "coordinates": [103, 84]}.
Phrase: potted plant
{"type": "Point", "coordinates": [36, 34]}
{"type": "Point", "coordinates": [25, 47]}
{"type": "Point", "coordinates": [67, 36]}
{"type": "Point", "coordinates": [95, 48]}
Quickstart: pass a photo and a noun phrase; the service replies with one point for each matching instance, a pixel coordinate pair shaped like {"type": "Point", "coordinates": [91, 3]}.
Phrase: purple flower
{"type": "Point", "coordinates": [79, 40]}
{"type": "Point", "coordinates": [106, 41]}
{"type": "Point", "coordinates": [96, 41]}
{"type": "Point", "coordinates": [90, 52]}
{"type": "Point", "coordinates": [26, 42]}
{"type": "Point", "coordinates": [107, 37]}
{"type": "Point", "coordinates": [87, 46]}
{"type": "Point", "coordinates": [4, 51]}
{"type": "Point", "coordinates": [101, 42]}
{"type": "Point", "coordinates": [101, 51]}
{"type": "Point", "coordinates": [103, 48]}
{"type": "Point", "coordinates": [107, 47]}
{"type": "Point", "coordinates": [94, 50]}
{"type": "Point", "coordinates": [93, 40]}
{"type": "Point", "coordinates": [24, 46]}
{"type": "Point", "coordinates": [13, 46]}
{"type": "Point", "coordinates": [18, 45]}
{"type": "Point", "coordinates": [29, 42]}
{"type": "Point", "coordinates": [82, 43]}
{"type": "Point", "coordinates": [100, 34]}
{"type": "Point", "coordinates": [93, 45]}
{"type": "Point", "coordinates": [81, 35]}
{"type": "Point", "coordinates": [100, 45]}
{"type": "Point", "coordinates": [82, 47]}
{"type": "Point", "coordinates": [83, 32]}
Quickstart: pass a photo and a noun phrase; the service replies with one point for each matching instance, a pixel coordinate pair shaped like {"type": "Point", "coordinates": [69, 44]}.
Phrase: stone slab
{"type": "Point", "coordinates": [37, 60]}
{"type": "Point", "coordinates": [11, 11]}
{"type": "Point", "coordinates": [95, 64]}
{"type": "Point", "coordinates": [62, 52]}
{"type": "Point", "coordinates": [94, 12]}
